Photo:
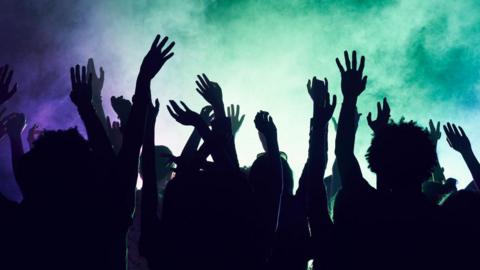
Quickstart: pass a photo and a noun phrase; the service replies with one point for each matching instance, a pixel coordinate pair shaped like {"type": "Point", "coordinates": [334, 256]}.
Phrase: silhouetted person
{"type": "Point", "coordinates": [390, 227]}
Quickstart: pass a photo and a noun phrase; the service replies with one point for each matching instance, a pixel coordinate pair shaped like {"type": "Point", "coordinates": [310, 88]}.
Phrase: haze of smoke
{"type": "Point", "coordinates": [422, 55]}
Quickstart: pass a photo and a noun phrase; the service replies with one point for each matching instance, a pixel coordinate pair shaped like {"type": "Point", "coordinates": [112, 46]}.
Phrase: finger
{"type": "Point", "coordinates": [84, 74]}
{"type": "Point", "coordinates": [438, 126]}
{"type": "Point", "coordinates": [347, 60]}
{"type": "Point", "coordinates": [326, 83]}
{"type": "Point", "coordinates": [91, 67]}
{"type": "Point", "coordinates": [379, 109]}
{"type": "Point", "coordinates": [240, 122]}
{"type": "Point", "coordinates": [354, 60]}
{"type": "Point", "coordinates": [9, 77]}
{"type": "Point", "coordinates": [162, 43]}
{"type": "Point", "coordinates": [445, 129]}
{"type": "Point", "coordinates": [237, 113]}
{"type": "Point", "coordinates": [4, 73]}
{"type": "Point", "coordinates": [89, 80]}
{"type": "Point", "coordinates": [207, 80]}
{"type": "Point", "coordinates": [77, 74]}
{"type": "Point", "coordinates": [185, 106]}
{"type": "Point", "coordinates": [202, 82]}
{"type": "Point", "coordinates": [200, 85]}
{"type": "Point", "coordinates": [309, 85]}
{"type": "Point", "coordinates": [339, 65]}
{"type": "Point", "coordinates": [334, 103]}
{"type": "Point", "coordinates": [102, 75]}
{"type": "Point", "coordinates": [200, 92]}
{"type": "Point", "coordinates": [449, 142]}
{"type": "Point", "coordinates": [171, 112]}
{"type": "Point", "coordinates": [229, 113]}
{"type": "Point", "coordinates": [455, 129]}
{"type": "Point", "coordinates": [462, 132]}
{"type": "Point", "coordinates": [157, 104]}
{"type": "Point", "coordinates": [155, 42]}
{"type": "Point", "coordinates": [364, 82]}
{"type": "Point", "coordinates": [168, 56]}
{"type": "Point", "coordinates": [369, 118]}
{"type": "Point", "coordinates": [430, 124]}
{"type": "Point", "coordinates": [175, 107]}
{"type": "Point", "coordinates": [168, 49]}
{"type": "Point", "coordinates": [12, 92]}
{"type": "Point", "coordinates": [386, 106]}
{"type": "Point", "coordinates": [362, 64]}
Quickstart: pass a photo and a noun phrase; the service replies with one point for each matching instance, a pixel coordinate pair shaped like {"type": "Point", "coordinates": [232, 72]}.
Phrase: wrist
{"type": "Point", "coordinates": [219, 110]}
{"type": "Point", "coordinates": [468, 152]}
{"type": "Point", "coordinates": [350, 100]}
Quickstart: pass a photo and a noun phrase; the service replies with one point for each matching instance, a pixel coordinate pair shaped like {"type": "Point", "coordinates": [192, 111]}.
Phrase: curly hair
{"type": "Point", "coordinates": [403, 150]}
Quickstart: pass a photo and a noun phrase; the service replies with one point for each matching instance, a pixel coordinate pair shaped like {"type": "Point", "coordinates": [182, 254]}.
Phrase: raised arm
{"type": "Point", "coordinates": [221, 125]}
{"type": "Point", "coordinates": [122, 108]}
{"type": "Point", "coordinates": [81, 96]}
{"type": "Point", "coordinates": [127, 164]}
{"type": "Point", "coordinates": [458, 140]}
{"type": "Point", "coordinates": [233, 112]}
{"type": "Point", "coordinates": [317, 201]}
{"type": "Point", "coordinates": [15, 125]}
{"type": "Point", "coordinates": [193, 141]}
{"type": "Point", "coordinates": [5, 79]}
{"type": "Point", "coordinates": [97, 86]}
{"type": "Point", "coordinates": [435, 135]}
{"type": "Point", "coordinates": [353, 84]}
{"type": "Point", "coordinates": [383, 116]}
{"type": "Point", "coordinates": [149, 220]}
{"type": "Point", "coordinates": [274, 186]}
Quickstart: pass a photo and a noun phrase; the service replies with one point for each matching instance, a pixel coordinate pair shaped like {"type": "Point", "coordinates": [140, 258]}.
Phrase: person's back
{"type": "Point", "coordinates": [59, 217]}
{"type": "Point", "coordinates": [395, 227]}
{"type": "Point", "coordinates": [206, 223]}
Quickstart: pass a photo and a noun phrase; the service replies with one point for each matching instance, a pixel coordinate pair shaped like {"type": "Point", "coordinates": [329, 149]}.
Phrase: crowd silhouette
{"type": "Point", "coordinates": [81, 208]}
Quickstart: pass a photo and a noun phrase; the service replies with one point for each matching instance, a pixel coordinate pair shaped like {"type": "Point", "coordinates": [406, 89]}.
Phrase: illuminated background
{"type": "Point", "coordinates": [422, 55]}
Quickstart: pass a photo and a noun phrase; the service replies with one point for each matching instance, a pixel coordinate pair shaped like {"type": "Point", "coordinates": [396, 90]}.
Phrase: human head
{"type": "Point", "coordinates": [261, 172]}
{"type": "Point", "coordinates": [403, 155]}
{"type": "Point", "coordinates": [59, 163]}
{"type": "Point", "coordinates": [163, 166]}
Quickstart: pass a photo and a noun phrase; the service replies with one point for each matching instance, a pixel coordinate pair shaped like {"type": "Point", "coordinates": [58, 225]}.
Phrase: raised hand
{"type": "Point", "coordinates": [264, 124]}
{"type": "Point", "coordinates": [114, 133]}
{"type": "Point", "coordinates": [97, 81]}
{"type": "Point", "coordinates": [5, 78]}
{"type": "Point", "coordinates": [15, 124]}
{"type": "Point", "coordinates": [122, 107]}
{"type": "Point", "coordinates": [33, 134]}
{"type": "Point", "coordinates": [81, 94]}
{"type": "Point", "coordinates": [317, 89]}
{"type": "Point", "coordinates": [153, 112]}
{"type": "Point", "coordinates": [323, 109]}
{"type": "Point", "coordinates": [184, 116]}
{"type": "Point", "coordinates": [156, 57]}
{"type": "Point", "coordinates": [210, 91]}
{"type": "Point", "coordinates": [456, 138]}
{"type": "Point", "coordinates": [383, 115]}
{"type": "Point", "coordinates": [434, 132]}
{"type": "Point", "coordinates": [353, 81]}
{"type": "Point", "coordinates": [235, 118]}
{"type": "Point", "coordinates": [207, 115]}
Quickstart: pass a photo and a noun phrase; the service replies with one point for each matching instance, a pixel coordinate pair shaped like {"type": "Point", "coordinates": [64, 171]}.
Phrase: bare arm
{"type": "Point", "coordinates": [459, 141]}
{"type": "Point", "coordinates": [353, 84]}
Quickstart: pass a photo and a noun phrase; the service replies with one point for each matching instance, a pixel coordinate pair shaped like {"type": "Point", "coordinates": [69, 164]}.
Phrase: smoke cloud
{"type": "Point", "coordinates": [422, 55]}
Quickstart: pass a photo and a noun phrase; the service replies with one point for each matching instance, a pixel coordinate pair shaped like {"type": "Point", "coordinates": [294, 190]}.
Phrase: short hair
{"type": "Point", "coordinates": [402, 149]}
{"type": "Point", "coordinates": [261, 173]}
